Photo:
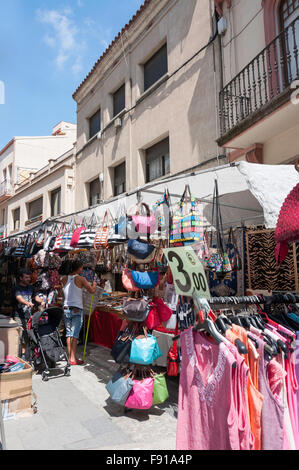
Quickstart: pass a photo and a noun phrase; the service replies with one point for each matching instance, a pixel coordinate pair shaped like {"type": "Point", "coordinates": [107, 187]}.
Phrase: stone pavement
{"type": "Point", "coordinates": [76, 413]}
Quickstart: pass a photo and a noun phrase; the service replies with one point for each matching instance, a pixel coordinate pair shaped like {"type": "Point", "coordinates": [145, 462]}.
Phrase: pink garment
{"type": "Point", "coordinates": [276, 376]}
{"type": "Point", "coordinates": [240, 379]}
{"type": "Point", "coordinates": [207, 413]}
{"type": "Point", "coordinates": [292, 388]}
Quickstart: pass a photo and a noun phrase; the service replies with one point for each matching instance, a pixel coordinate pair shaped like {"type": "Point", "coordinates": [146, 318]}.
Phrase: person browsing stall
{"type": "Point", "coordinates": [24, 299]}
{"type": "Point", "coordinates": [73, 307]}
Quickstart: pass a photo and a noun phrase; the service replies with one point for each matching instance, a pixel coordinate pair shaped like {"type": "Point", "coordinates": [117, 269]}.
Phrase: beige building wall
{"type": "Point", "coordinates": [58, 174]}
{"type": "Point", "coordinates": [183, 107]}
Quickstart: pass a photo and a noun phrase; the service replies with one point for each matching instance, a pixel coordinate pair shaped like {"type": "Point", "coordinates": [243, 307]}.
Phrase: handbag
{"type": "Point", "coordinates": [164, 312]}
{"type": "Point", "coordinates": [162, 213]}
{"type": "Point", "coordinates": [218, 259]}
{"type": "Point", "coordinates": [122, 346]}
{"type": "Point", "coordinates": [146, 279]}
{"type": "Point", "coordinates": [160, 391]}
{"type": "Point", "coordinates": [76, 235]}
{"type": "Point", "coordinates": [141, 395]}
{"type": "Point", "coordinates": [145, 350]}
{"type": "Point", "coordinates": [173, 358]}
{"type": "Point", "coordinates": [233, 252]}
{"type": "Point", "coordinates": [187, 225]}
{"type": "Point", "coordinates": [65, 244]}
{"type": "Point", "coordinates": [87, 236]}
{"type": "Point", "coordinates": [136, 310]}
{"type": "Point", "coordinates": [120, 387]}
{"type": "Point", "coordinates": [101, 236]}
{"type": "Point", "coordinates": [58, 239]}
{"type": "Point", "coordinates": [153, 319]}
{"type": "Point", "coordinates": [118, 233]}
{"type": "Point", "coordinates": [147, 260]}
{"type": "Point", "coordinates": [145, 224]}
{"type": "Point", "coordinates": [140, 249]}
{"type": "Point", "coordinates": [127, 281]}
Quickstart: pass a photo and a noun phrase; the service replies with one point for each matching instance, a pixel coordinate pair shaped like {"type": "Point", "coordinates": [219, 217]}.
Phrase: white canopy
{"type": "Point", "coordinates": [250, 193]}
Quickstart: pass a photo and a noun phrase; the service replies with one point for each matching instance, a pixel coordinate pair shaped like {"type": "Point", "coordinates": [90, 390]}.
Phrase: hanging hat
{"type": "Point", "coordinates": [287, 228]}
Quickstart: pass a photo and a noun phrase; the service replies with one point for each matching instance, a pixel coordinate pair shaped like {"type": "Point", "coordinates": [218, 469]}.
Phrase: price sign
{"type": "Point", "coordinates": [188, 272]}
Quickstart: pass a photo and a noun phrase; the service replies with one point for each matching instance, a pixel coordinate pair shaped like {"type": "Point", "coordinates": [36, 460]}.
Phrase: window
{"type": "Point", "coordinates": [119, 100]}
{"type": "Point", "coordinates": [120, 179]}
{"type": "Point", "coordinates": [16, 219]}
{"type": "Point", "coordinates": [155, 67]}
{"type": "Point", "coordinates": [157, 160]}
{"type": "Point", "coordinates": [56, 202]}
{"type": "Point", "coordinates": [94, 192]}
{"type": "Point", "coordinates": [35, 208]}
{"type": "Point", "coordinates": [95, 124]}
{"type": "Point", "coordinates": [3, 217]}
{"type": "Point", "coordinates": [289, 10]}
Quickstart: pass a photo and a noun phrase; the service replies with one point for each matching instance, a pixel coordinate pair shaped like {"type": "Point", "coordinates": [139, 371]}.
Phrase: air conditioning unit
{"type": "Point", "coordinates": [117, 122]}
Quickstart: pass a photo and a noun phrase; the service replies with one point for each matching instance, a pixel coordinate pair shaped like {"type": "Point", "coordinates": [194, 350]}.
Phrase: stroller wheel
{"type": "Point", "coordinates": [45, 376]}
{"type": "Point", "coordinates": [67, 371]}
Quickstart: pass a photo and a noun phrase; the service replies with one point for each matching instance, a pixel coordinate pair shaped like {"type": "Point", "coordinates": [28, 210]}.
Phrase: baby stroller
{"type": "Point", "coordinates": [46, 348]}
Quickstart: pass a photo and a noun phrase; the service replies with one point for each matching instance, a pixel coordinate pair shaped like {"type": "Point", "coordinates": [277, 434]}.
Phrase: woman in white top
{"type": "Point", "coordinates": [73, 307]}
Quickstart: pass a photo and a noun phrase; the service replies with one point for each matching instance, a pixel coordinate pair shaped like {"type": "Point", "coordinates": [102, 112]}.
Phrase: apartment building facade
{"type": "Point", "coordinates": [258, 103]}
{"type": "Point", "coordinates": [20, 161]}
{"type": "Point", "coordinates": [148, 108]}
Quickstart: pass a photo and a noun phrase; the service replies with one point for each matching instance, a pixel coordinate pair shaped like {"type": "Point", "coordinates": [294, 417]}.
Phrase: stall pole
{"type": "Point", "coordinates": [90, 310]}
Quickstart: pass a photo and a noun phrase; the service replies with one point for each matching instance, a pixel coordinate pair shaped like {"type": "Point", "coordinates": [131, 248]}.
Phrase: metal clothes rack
{"type": "Point", "coordinates": [254, 299]}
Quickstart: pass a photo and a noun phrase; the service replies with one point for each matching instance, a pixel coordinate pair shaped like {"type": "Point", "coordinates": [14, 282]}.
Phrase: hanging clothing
{"type": "Point", "coordinates": [207, 413]}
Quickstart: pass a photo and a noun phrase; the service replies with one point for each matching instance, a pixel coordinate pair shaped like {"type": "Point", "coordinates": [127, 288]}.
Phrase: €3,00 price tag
{"type": "Point", "coordinates": [188, 272]}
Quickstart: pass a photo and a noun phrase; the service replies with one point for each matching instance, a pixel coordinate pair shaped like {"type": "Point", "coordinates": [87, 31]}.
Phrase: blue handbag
{"type": "Point", "coordinates": [146, 279]}
{"type": "Point", "coordinates": [140, 249]}
{"type": "Point", "coordinates": [119, 388]}
{"type": "Point", "coordinates": [145, 350]}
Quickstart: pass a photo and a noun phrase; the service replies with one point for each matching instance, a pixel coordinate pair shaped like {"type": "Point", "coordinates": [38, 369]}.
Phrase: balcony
{"type": "Point", "coordinates": [5, 190]}
{"type": "Point", "coordinates": [262, 87]}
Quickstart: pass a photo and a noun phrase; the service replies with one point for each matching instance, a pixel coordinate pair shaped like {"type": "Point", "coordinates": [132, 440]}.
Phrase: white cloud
{"type": "Point", "coordinates": [63, 33]}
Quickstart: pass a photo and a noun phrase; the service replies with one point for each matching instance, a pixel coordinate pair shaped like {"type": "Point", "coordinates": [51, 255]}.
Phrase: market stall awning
{"type": "Point", "coordinates": [250, 194]}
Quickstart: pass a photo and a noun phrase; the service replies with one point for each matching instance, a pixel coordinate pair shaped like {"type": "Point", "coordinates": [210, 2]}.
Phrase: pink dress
{"type": "Point", "coordinates": [207, 415]}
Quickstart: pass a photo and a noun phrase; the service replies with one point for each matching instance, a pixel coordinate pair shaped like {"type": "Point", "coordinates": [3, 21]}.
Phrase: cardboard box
{"type": "Point", "coordinates": [16, 389]}
{"type": "Point", "coordinates": [10, 340]}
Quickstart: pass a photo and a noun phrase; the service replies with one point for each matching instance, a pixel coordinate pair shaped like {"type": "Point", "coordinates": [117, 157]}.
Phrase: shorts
{"type": "Point", "coordinates": [73, 320]}
{"type": "Point", "coordinates": [22, 322]}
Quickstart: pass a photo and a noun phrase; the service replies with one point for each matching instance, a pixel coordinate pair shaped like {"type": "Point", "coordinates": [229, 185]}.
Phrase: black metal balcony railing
{"type": "Point", "coordinates": [267, 76]}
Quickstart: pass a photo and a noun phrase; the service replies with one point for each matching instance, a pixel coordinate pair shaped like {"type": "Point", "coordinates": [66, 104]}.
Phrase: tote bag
{"type": "Point", "coordinates": [67, 237]}
{"type": "Point", "coordinates": [87, 236]}
{"type": "Point", "coordinates": [76, 234]}
{"type": "Point", "coordinates": [141, 395]}
{"type": "Point", "coordinates": [145, 223]}
{"type": "Point", "coordinates": [145, 350]}
{"type": "Point", "coordinates": [187, 224]}
{"type": "Point", "coordinates": [160, 391]}
{"type": "Point", "coordinates": [101, 236]}
{"type": "Point", "coordinates": [163, 216]}
{"type": "Point", "coordinates": [59, 237]}
{"type": "Point", "coordinates": [120, 387]}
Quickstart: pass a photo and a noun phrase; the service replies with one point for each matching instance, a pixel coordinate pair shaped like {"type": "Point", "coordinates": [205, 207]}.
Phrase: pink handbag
{"type": "Point", "coordinates": [164, 312]}
{"type": "Point", "coordinates": [76, 236]}
{"type": "Point", "coordinates": [145, 224]}
{"type": "Point", "coordinates": [141, 395]}
{"type": "Point", "coordinates": [128, 282]}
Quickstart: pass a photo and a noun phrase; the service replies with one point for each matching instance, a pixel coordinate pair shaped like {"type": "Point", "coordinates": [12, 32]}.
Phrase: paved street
{"type": "Point", "coordinates": [76, 413]}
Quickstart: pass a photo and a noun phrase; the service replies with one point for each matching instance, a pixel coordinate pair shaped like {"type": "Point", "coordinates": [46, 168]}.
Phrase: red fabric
{"type": "Point", "coordinates": [281, 252]}
{"type": "Point", "coordinates": [153, 320]}
{"type": "Point", "coordinates": [287, 228]}
{"type": "Point", "coordinates": [104, 328]}
{"type": "Point", "coordinates": [173, 358]}
{"type": "Point", "coordinates": [164, 312]}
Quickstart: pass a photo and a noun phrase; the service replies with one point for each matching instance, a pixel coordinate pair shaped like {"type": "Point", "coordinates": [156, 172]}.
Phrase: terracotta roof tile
{"type": "Point", "coordinates": [125, 28]}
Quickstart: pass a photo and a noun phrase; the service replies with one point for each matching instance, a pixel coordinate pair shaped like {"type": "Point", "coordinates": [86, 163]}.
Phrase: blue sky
{"type": "Point", "coordinates": [47, 47]}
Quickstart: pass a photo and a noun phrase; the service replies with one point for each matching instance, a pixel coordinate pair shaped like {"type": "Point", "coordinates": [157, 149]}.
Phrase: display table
{"type": "Point", "coordinates": [104, 327]}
